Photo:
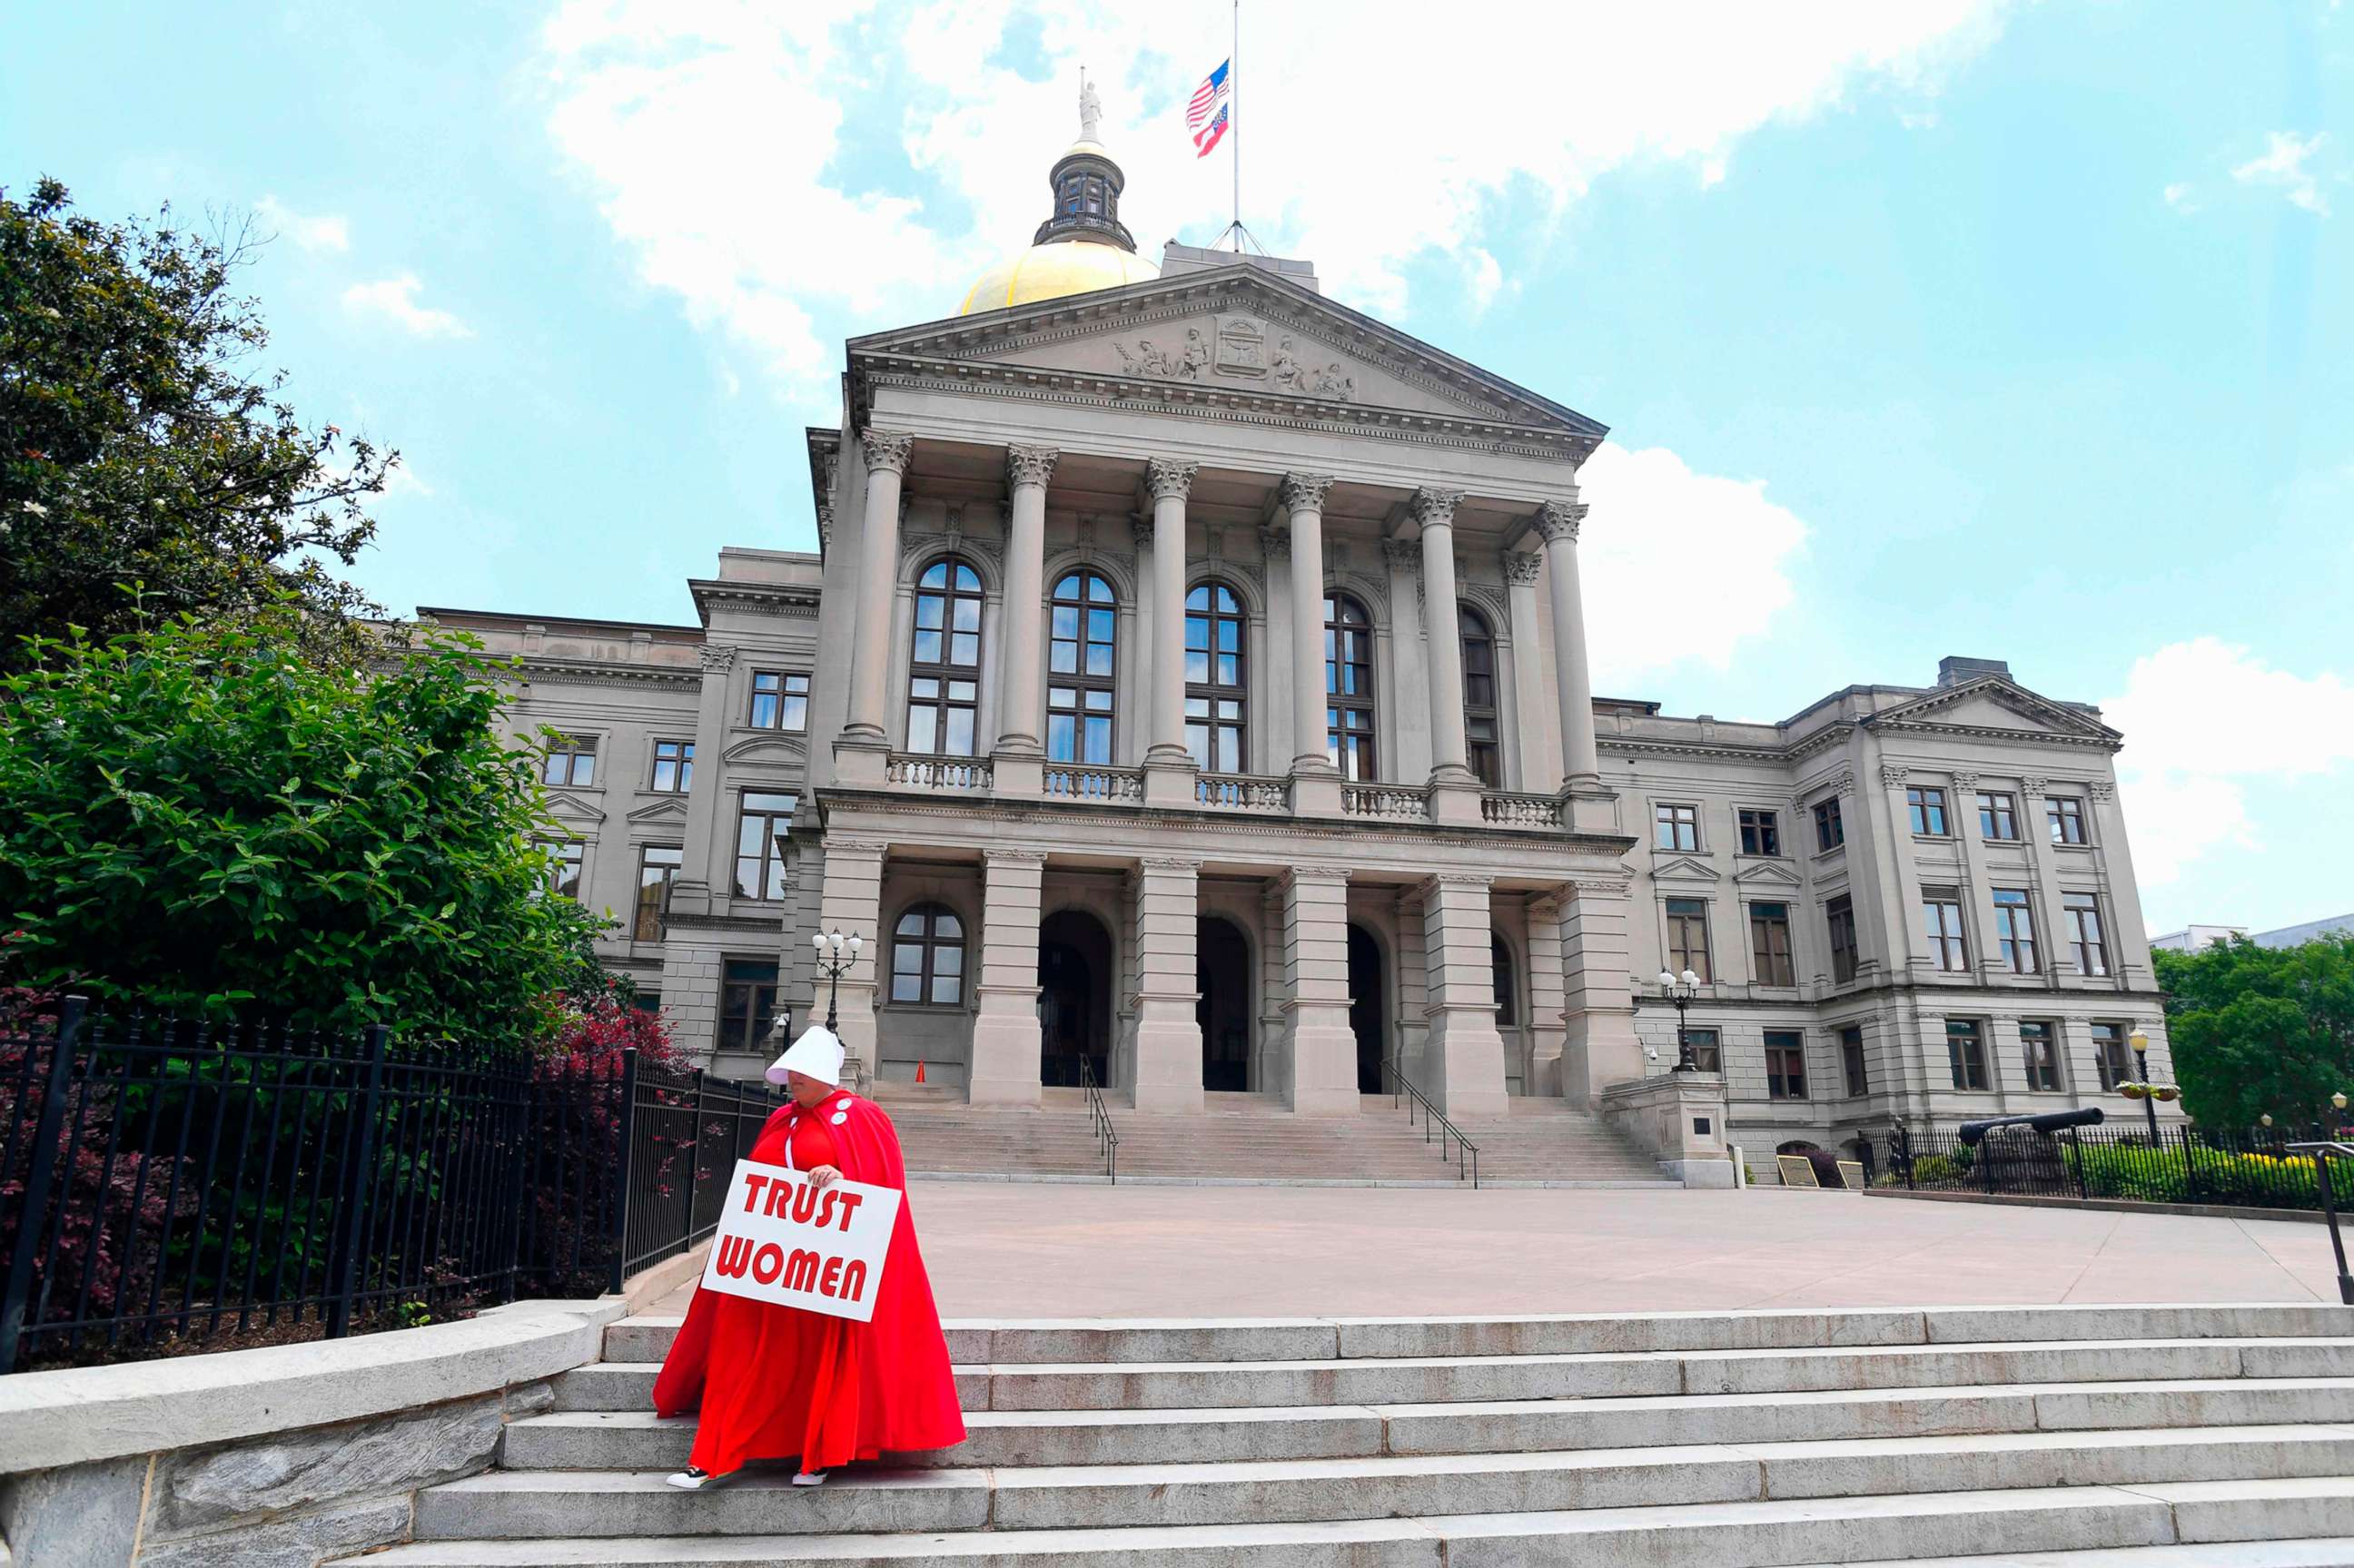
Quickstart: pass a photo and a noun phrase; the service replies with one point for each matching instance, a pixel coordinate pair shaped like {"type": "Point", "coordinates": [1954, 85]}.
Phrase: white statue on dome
{"type": "Point", "coordinates": [1090, 110]}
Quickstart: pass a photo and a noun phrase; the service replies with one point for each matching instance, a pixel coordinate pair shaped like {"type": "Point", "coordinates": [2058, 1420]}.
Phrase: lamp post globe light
{"type": "Point", "coordinates": [2141, 1088]}
{"type": "Point", "coordinates": [1680, 990]}
{"type": "Point", "coordinates": [835, 953]}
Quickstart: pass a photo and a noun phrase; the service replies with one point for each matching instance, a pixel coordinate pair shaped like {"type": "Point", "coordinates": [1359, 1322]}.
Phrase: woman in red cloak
{"type": "Point", "coordinates": [776, 1381]}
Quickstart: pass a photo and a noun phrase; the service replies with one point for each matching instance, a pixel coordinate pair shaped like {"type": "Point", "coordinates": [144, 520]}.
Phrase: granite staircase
{"type": "Point", "coordinates": [2056, 1438]}
{"type": "Point", "coordinates": [1251, 1137]}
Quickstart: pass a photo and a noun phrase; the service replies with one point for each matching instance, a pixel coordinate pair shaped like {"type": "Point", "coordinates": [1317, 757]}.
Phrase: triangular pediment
{"type": "Point", "coordinates": [1994, 707]}
{"type": "Point", "coordinates": [1234, 334]}
{"type": "Point", "coordinates": [672, 810]}
{"type": "Point", "coordinates": [1684, 868]}
{"type": "Point", "coordinates": [1766, 873]}
{"type": "Point", "coordinates": [574, 808]}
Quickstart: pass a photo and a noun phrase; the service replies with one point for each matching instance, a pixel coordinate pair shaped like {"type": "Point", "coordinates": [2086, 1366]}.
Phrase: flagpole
{"type": "Point", "coordinates": [1233, 111]}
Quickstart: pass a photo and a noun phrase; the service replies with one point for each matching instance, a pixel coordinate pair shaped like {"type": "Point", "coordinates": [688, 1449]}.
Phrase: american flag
{"type": "Point", "coordinates": [1205, 117]}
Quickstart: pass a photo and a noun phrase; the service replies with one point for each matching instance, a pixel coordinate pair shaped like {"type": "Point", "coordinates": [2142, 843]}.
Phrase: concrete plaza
{"type": "Point", "coordinates": [999, 1249]}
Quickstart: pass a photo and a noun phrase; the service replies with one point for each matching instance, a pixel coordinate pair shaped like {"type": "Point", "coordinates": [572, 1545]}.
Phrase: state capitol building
{"type": "Point", "coordinates": [1190, 691]}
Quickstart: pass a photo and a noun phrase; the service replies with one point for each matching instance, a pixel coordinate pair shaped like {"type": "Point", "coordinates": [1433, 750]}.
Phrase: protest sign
{"type": "Point", "coordinates": [784, 1242]}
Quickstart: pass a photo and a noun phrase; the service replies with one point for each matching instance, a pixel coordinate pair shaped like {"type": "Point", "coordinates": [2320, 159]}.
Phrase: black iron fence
{"type": "Point", "coordinates": [2181, 1164]}
{"type": "Point", "coordinates": [165, 1184]}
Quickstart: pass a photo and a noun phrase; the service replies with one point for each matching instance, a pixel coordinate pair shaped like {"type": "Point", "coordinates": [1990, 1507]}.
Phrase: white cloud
{"type": "Point", "coordinates": [713, 136]}
{"type": "Point", "coordinates": [2178, 197]}
{"type": "Point", "coordinates": [2283, 165]}
{"type": "Point", "coordinates": [2200, 719]}
{"type": "Point", "coordinates": [325, 232]}
{"type": "Point", "coordinates": [1662, 538]}
{"type": "Point", "coordinates": [395, 300]}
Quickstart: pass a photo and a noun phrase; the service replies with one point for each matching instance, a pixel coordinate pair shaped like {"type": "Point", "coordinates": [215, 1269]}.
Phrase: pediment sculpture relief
{"type": "Point", "coordinates": [1241, 353]}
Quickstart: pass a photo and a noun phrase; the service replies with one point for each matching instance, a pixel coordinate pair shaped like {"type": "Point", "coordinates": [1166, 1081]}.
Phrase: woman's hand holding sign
{"type": "Point", "coordinates": [824, 1176]}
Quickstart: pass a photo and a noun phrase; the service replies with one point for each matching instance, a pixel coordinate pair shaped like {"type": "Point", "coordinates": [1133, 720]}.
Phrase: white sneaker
{"type": "Point", "coordinates": [694, 1480]}
{"type": "Point", "coordinates": [809, 1478]}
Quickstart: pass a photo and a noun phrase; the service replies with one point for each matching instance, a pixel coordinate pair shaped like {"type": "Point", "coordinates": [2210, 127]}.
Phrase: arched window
{"type": "Point", "coordinates": [1215, 699]}
{"type": "Point", "coordinates": [927, 957]}
{"type": "Point", "coordinates": [1079, 670]}
{"type": "Point", "coordinates": [1348, 687]}
{"type": "Point", "coordinates": [1508, 994]}
{"type": "Point", "coordinates": [1480, 697]}
{"type": "Point", "coordinates": [944, 666]}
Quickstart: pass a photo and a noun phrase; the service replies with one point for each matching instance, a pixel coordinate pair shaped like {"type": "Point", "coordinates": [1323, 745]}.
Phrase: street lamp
{"type": "Point", "coordinates": [1680, 990]}
{"type": "Point", "coordinates": [835, 953]}
{"type": "Point", "coordinates": [2141, 1088]}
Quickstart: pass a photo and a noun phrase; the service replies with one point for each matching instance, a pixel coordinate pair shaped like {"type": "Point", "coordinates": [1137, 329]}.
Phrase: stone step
{"type": "Point", "coordinates": [638, 1440]}
{"type": "Point", "coordinates": [2005, 1524]}
{"type": "Point", "coordinates": [1134, 1339]}
{"type": "Point", "coordinates": [2334, 1552]}
{"type": "Point", "coordinates": [527, 1503]}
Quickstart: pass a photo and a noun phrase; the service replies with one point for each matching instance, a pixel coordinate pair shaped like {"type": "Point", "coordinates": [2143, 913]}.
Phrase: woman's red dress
{"type": "Point", "coordinates": [778, 1382]}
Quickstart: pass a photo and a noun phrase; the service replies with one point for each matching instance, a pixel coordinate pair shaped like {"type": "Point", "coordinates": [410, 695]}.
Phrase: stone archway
{"type": "Point", "coordinates": [1075, 986]}
{"type": "Point", "coordinates": [1368, 1009]}
{"type": "Point", "coordinates": [1222, 975]}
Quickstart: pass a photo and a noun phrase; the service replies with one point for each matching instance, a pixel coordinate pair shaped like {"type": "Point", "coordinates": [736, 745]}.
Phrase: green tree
{"type": "Point", "coordinates": [140, 448]}
{"type": "Point", "coordinates": [2260, 1031]}
{"type": "Point", "coordinates": [197, 814]}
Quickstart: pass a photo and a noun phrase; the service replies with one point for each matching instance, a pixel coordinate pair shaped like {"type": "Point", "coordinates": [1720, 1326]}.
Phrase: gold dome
{"type": "Point", "coordinates": [1053, 270]}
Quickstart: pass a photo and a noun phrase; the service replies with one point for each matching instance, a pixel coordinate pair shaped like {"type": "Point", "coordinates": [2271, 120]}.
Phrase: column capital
{"type": "Point", "coordinates": [2035, 788]}
{"type": "Point", "coordinates": [1166, 864]}
{"type": "Point", "coordinates": [1439, 881]}
{"type": "Point", "coordinates": [1521, 566]}
{"type": "Point", "coordinates": [1309, 871]}
{"type": "Point", "coordinates": [716, 660]}
{"type": "Point", "coordinates": [1402, 555]}
{"type": "Point", "coordinates": [1600, 886]}
{"type": "Point", "coordinates": [1559, 520]}
{"type": "Point", "coordinates": [1894, 774]}
{"type": "Point", "coordinates": [1305, 491]}
{"type": "Point", "coordinates": [1272, 539]}
{"type": "Point", "coordinates": [835, 845]}
{"type": "Point", "coordinates": [1965, 781]}
{"type": "Point", "coordinates": [1169, 478]}
{"type": "Point", "coordinates": [1435, 508]}
{"type": "Point", "coordinates": [1014, 857]}
{"type": "Point", "coordinates": [1139, 530]}
{"type": "Point", "coordinates": [2100, 788]}
{"type": "Point", "coordinates": [887, 451]}
{"type": "Point", "coordinates": [1029, 465]}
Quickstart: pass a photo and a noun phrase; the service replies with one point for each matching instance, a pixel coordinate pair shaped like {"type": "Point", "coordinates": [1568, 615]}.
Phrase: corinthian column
{"type": "Point", "coordinates": [1455, 789]}
{"type": "Point", "coordinates": [1314, 790]}
{"type": "Point", "coordinates": [1168, 764]}
{"type": "Point", "coordinates": [1020, 680]}
{"type": "Point", "coordinates": [864, 745]}
{"type": "Point", "coordinates": [1558, 522]}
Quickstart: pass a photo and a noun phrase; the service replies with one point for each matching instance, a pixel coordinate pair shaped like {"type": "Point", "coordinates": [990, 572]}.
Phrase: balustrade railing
{"type": "Point", "coordinates": [1242, 792]}
{"type": "Point", "coordinates": [950, 775]}
{"type": "Point", "coordinates": [1388, 802]}
{"type": "Point", "coordinates": [1066, 783]}
{"type": "Point", "coordinates": [1502, 810]}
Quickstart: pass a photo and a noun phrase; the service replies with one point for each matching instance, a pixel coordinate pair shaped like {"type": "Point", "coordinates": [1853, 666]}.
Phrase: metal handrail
{"type": "Point", "coordinates": [2323, 1150]}
{"type": "Point", "coordinates": [1435, 1122]}
{"type": "Point", "coordinates": [1100, 1113]}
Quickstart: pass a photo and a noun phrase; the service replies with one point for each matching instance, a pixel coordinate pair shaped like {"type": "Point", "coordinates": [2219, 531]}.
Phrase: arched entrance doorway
{"type": "Point", "coordinates": [1222, 975]}
{"type": "Point", "coordinates": [1366, 1009]}
{"type": "Point", "coordinates": [1074, 982]}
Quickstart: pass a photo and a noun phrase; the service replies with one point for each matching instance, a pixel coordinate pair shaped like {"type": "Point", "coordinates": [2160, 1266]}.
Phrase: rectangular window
{"type": "Point", "coordinates": [1928, 809]}
{"type": "Point", "coordinates": [780, 700]}
{"type": "Point", "coordinates": [1678, 827]}
{"type": "Point", "coordinates": [1839, 915]}
{"type": "Point", "coordinates": [1851, 1059]}
{"type": "Point", "coordinates": [940, 715]}
{"type": "Point", "coordinates": [2014, 929]}
{"type": "Point", "coordinates": [657, 869]}
{"type": "Point", "coordinates": [673, 767]}
{"type": "Point", "coordinates": [1965, 1053]}
{"type": "Point", "coordinates": [2065, 814]}
{"type": "Point", "coordinates": [1688, 936]}
{"type": "Point", "coordinates": [747, 1004]}
{"type": "Point", "coordinates": [1706, 1052]}
{"type": "Point", "coordinates": [1941, 922]}
{"type": "Point", "coordinates": [1829, 832]}
{"type": "Point", "coordinates": [1761, 832]}
{"type": "Point", "coordinates": [1786, 1065]}
{"type": "Point", "coordinates": [564, 857]}
{"type": "Point", "coordinates": [571, 761]}
{"type": "Point", "coordinates": [1998, 816]}
{"type": "Point", "coordinates": [760, 831]}
{"type": "Point", "coordinates": [2110, 1057]}
{"type": "Point", "coordinates": [2041, 1043]}
{"type": "Point", "coordinates": [2087, 945]}
{"type": "Point", "coordinates": [1769, 943]}
{"type": "Point", "coordinates": [1078, 725]}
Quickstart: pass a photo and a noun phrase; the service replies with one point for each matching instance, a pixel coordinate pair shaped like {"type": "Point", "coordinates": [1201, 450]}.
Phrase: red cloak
{"type": "Point", "coordinates": [776, 1381]}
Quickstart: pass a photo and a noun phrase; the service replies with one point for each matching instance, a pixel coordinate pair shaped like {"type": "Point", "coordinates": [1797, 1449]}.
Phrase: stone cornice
{"type": "Point", "coordinates": [542, 672]}
{"type": "Point", "coordinates": [786, 601]}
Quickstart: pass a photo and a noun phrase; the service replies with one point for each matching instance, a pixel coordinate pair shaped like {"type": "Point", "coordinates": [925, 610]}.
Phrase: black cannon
{"type": "Point", "coordinates": [1971, 1132]}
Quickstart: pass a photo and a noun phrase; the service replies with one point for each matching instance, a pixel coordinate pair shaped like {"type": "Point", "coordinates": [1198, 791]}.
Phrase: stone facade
{"type": "Point", "coordinates": [1217, 716]}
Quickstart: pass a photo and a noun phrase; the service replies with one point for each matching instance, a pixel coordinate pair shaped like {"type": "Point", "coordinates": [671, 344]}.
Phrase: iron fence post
{"type": "Point", "coordinates": [357, 1189]}
{"type": "Point", "coordinates": [2321, 1157]}
{"type": "Point", "coordinates": [2076, 1147]}
{"type": "Point", "coordinates": [628, 1120]}
{"type": "Point", "coordinates": [33, 1219]}
{"type": "Point", "coordinates": [694, 1167]}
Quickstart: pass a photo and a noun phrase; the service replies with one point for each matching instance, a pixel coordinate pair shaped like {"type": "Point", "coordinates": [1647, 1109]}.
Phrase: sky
{"type": "Point", "coordinates": [2012, 331]}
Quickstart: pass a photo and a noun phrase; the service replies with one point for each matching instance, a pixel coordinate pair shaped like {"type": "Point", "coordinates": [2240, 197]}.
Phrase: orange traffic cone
{"type": "Point", "coordinates": [919, 1070]}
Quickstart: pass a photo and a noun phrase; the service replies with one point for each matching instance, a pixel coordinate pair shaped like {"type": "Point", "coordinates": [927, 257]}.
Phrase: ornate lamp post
{"type": "Point", "coordinates": [1678, 990]}
{"type": "Point", "coordinates": [2141, 1088]}
{"type": "Point", "coordinates": [835, 953]}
